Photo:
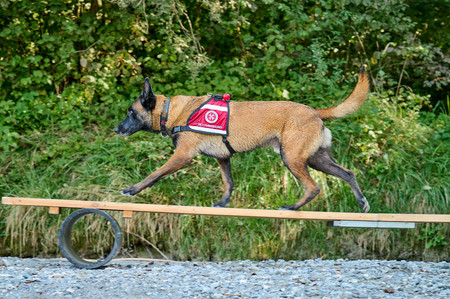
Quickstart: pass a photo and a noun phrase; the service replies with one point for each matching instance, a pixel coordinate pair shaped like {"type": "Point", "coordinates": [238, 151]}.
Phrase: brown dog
{"type": "Point", "coordinates": [294, 130]}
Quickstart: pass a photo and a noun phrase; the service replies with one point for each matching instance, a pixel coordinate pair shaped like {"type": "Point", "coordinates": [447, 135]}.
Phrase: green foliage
{"type": "Point", "coordinates": [76, 62]}
{"type": "Point", "coordinates": [433, 237]}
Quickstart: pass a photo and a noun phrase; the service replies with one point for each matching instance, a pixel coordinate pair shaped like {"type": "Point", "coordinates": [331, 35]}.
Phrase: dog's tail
{"type": "Point", "coordinates": [352, 103]}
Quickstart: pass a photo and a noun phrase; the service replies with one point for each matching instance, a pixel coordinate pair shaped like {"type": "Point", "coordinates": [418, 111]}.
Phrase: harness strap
{"type": "Point", "coordinates": [228, 145]}
{"type": "Point", "coordinates": [180, 129]}
{"type": "Point", "coordinates": [164, 116]}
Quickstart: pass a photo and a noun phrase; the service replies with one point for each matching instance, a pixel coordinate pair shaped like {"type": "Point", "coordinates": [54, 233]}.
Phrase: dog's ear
{"type": "Point", "coordinates": [148, 99]}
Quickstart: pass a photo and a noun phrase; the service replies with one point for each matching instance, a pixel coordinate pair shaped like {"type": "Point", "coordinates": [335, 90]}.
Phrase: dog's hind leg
{"type": "Point", "coordinates": [225, 169]}
{"type": "Point", "coordinates": [323, 162]}
{"type": "Point", "coordinates": [300, 171]}
{"type": "Point", "coordinates": [295, 159]}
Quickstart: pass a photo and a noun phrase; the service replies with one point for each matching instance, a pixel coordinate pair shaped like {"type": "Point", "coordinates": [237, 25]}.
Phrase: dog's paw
{"type": "Point", "coordinates": [364, 204]}
{"type": "Point", "coordinates": [289, 208]}
{"type": "Point", "coordinates": [366, 208]}
{"type": "Point", "coordinates": [128, 192]}
{"type": "Point", "coordinates": [222, 203]}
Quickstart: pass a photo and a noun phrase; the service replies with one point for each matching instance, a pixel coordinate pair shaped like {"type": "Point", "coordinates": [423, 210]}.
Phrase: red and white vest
{"type": "Point", "coordinates": [210, 118]}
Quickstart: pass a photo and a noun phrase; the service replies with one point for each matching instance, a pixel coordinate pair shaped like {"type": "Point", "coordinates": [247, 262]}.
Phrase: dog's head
{"type": "Point", "coordinates": [139, 117]}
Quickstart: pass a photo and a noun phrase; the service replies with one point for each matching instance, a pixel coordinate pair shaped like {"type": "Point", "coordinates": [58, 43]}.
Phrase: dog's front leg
{"type": "Point", "coordinates": [179, 159]}
{"type": "Point", "coordinates": [225, 169]}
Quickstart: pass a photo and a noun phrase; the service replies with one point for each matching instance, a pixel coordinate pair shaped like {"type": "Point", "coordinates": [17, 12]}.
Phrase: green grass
{"type": "Point", "coordinates": [400, 159]}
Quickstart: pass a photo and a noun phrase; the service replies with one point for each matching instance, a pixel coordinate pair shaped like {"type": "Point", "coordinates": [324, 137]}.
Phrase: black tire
{"type": "Point", "coordinates": [65, 243]}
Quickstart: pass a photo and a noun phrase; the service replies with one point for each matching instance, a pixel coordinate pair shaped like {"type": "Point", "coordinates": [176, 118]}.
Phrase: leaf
{"type": "Point", "coordinates": [83, 62]}
{"type": "Point", "coordinates": [37, 74]}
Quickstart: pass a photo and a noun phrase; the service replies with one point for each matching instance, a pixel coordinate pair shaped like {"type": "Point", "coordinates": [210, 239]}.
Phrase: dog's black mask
{"type": "Point", "coordinates": [139, 114]}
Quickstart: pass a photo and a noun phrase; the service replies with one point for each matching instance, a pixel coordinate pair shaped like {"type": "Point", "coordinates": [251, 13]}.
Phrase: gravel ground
{"type": "Point", "coordinates": [46, 278]}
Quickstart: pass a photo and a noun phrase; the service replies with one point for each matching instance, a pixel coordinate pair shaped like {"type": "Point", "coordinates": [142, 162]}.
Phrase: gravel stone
{"type": "Point", "coordinates": [44, 278]}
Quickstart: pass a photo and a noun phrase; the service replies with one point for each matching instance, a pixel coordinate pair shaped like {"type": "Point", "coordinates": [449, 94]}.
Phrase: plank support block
{"type": "Point", "coordinates": [371, 224]}
{"type": "Point", "coordinates": [127, 214]}
{"type": "Point", "coordinates": [54, 210]}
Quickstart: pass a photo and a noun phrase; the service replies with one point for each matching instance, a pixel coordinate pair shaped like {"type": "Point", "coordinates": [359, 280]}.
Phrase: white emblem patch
{"type": "Point", "coordinates": [211, 117]}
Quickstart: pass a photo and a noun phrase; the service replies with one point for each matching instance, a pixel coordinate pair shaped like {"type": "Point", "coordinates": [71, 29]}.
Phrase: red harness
{"type": "Point", "coordinates": [210, 118]}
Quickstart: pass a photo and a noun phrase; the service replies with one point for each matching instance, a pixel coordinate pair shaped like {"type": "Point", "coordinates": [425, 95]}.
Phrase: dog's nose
{"type": "Point", "coordinates": [116, 130]}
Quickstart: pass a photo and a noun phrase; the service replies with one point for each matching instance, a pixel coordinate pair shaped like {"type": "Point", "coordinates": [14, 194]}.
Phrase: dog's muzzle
{"type": "Point", "coordinates": [120, 132]}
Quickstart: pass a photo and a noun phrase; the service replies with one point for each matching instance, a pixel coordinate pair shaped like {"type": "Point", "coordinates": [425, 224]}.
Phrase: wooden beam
{"type": "Point", "coordinates": [234, 212]}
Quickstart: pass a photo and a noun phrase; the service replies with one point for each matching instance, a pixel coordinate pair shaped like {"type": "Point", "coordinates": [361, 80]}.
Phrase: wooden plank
{"type": "Point", "coordinates": [372, 224]}
{"type": "Point", "coordinates": [234, 212]}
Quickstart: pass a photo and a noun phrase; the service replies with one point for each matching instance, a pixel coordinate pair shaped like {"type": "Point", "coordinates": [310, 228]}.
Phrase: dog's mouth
{"type": "Point", "coordinates": [124, 134]}
{"type": "Point", "coordinates": [121, 133]}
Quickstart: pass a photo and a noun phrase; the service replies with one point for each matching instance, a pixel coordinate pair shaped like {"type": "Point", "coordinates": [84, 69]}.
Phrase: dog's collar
{"type": "Point", "coordinates": [164, 116]}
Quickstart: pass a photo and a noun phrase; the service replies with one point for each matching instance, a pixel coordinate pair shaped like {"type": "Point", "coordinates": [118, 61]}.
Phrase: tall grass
{"type": "Point", "coordinates": [400, 158]}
